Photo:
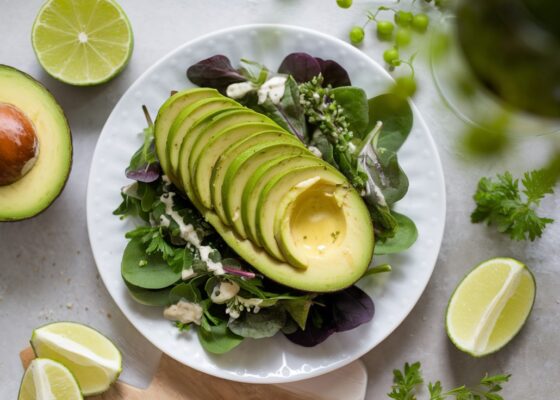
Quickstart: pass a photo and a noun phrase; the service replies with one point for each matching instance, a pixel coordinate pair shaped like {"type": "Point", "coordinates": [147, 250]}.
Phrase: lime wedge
{"type": "Point", "coordinates": [82, 42]}
{"type": "Point", "coordinates": [91, 357]}
{"type": "Point", "coordinates": [490, 306]}
{"type": "Point", "coordinates": [48, 380]}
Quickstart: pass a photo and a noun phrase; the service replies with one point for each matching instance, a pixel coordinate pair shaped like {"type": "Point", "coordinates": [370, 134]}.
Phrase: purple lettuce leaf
{"type": "Point", "coordinates": [144, 165]}
{"type": "Point", "coordinates": [352, 307]}
{"type": "Point", "coordinates": [341, 311]}
{"type": "Point", "coordinates": [215, 72]}
{"type": "Point", "coordinates": [333, 73]}
{"type": "Point", "coordinates": [301, 66]}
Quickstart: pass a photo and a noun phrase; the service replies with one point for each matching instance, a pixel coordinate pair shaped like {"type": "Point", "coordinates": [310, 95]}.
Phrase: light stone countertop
{"type": "Point", "coordinates": [47, 272]}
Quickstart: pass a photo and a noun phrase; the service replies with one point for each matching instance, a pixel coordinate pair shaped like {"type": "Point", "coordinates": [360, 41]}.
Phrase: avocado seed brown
{"type": "Point", "coordinates": [18, 144]}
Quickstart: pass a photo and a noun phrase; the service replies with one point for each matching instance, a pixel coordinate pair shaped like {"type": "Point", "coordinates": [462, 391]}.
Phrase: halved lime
{"type": "Point", "coordinates": [82, 42]}
{"type": "Point", "coordinates": [48, 379]}
{"type": "Point", "coordinates": [93, 359]}
{"type": "Point", "coordinates": [490, 306]}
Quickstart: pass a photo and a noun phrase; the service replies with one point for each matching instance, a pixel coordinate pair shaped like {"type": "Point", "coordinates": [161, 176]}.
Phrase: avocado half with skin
{"type": "Point", "coordinates": [288, 213]}
{"type": "Point", "coordinates": [35, 146]}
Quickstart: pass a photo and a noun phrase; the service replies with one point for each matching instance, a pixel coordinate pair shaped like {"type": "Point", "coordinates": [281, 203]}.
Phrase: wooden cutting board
{"type": "Point", "coordinates": [174, 381]}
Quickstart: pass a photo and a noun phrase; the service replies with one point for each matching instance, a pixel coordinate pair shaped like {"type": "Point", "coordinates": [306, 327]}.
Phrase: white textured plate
{"type": "Point", "coordinates": [273, 360]}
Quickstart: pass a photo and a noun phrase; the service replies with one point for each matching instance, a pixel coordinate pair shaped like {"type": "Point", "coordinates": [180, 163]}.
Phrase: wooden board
{"type": "Point", "coordinates": [174, 381]}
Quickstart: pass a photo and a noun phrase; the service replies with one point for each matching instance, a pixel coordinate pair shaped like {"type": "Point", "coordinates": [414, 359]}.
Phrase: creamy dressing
{"type": "Point", "coordinates": [187, 274]}
{"type": "Point", "coordinates": [240, 90]}
{"type": "Point", "coordinates": [184, 312]}
{"type": "Point", "coordinates": [189, 235]}
{"type": "Point", "coordinates": [224, 292]}
{"type": "Point", "coordinates": [315, 151]}
{"type": "Point", "coordinates": [272, 89]}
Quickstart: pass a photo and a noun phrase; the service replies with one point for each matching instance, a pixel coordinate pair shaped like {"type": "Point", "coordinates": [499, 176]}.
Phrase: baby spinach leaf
{"type": "Point", "coordinates": [144, 165]}
{"type": "Point", "coordinates": [266, 323]}
{"type": "Point", "coordinates": [404, 238]}
{"type": "Point", "coordinates": [254, 71]}
{"type": "Point", "coordinates": [214, 72]}
{"type": "Point", "coordinates": [149, 297]}
{"type": "Point", "coordinates": [354, 102]}
{"type": "Point", "coordinates": [301, 66]}
{"type": "Point", "coordinates": [384, 168]}
{"type": "Point", "coordinates": [187, 291]}
{"type": "Point", "coordinates": [148, 271]}
{"type": "Point", "coordinates": [218, 339]}
{"type": "Point", "coordinates": [395, 114]}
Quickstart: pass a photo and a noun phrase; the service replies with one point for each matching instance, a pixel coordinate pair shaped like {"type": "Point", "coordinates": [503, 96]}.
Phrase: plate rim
{"type": "Point", "coordinates": [419, 119]}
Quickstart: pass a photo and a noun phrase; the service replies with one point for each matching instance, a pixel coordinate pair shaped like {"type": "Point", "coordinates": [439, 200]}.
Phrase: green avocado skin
{"type": "Point", "coordinates": [41, 186]}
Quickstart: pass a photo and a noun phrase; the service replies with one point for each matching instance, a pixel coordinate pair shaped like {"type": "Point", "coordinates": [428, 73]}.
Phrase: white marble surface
{"type": "Point", "coordinates": [46, 267]}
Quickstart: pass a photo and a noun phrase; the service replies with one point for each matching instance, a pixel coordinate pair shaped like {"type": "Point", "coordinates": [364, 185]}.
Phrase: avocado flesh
{"type": "Point", "coordinates": [167, 114]}
{"type": "Point", "coordinates": [219, 169]}
{"type": "Point", "coordinates": [324, 278]}
{"type": "Point", "coordinates": [214, 134]}
{"type": "Point", "coordinates": [323, 220]}
{"type": "Point", "coordinates": [198, 127]}
{"type": "Point", "coordinates": [35, 191]}
{"type": "Point", "coordinates": [212, 143]}
{"type": "Point", "coordinates": [183, 123]}
{"type": "Point", "coordinates": [257, 182]}
{"type": "Point", "coordinates": [241, 169]}
{"type": "Point", "coordinates": [273, 192]}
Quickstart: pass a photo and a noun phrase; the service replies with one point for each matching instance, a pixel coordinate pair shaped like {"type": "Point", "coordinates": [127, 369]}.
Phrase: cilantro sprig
{"type": "Point", "coordinates": [513, 210]}
{"type": "Point", "coordinates": [406, 382]}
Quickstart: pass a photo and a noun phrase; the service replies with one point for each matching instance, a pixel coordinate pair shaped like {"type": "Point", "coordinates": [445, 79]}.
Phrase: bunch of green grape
{"type": "Point", "coordinates": [399, 33]}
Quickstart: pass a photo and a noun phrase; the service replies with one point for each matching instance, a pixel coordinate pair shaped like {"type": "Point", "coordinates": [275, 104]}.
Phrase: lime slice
{"type": "Point", "coordinates": [48, 380]}
{"type": "Point", "coordinates": [82, 42]}
{"type": "Point", "coordinates": [490, 306]}
{"type": "Point", "coordinates": [93, 359]}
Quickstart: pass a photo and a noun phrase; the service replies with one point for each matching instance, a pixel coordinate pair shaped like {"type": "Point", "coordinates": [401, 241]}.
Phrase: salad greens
{"type": "Point", "coordinates": [406, 382]}
{"type": "Point", "coordinates": [357, 135]}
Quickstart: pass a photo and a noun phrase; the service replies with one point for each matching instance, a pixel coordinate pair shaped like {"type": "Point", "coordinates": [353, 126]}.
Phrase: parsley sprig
{"type": "Point", "coordinates": [406, 382]}
{"type": "Point", "coordinates": [513, 211]}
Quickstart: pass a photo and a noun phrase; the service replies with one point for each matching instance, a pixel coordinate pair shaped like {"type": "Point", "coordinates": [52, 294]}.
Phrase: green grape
{"type": "Point", "coordinates": [357, 35]}
{"type": "Point", "coordinates": [405, 86]}
{"type": "Point", "coordinates": [403, 37]}
{"type": "Point", "coordinates": [344, 3]}
{"type": "Point", "coordinates": [391, 57]}
{"type": "Point", "coordinates": [403, 18]}
{"type": "Point", "coordinates": [420, 22]}
{"type": "Point", "coordinates": [385, 28]}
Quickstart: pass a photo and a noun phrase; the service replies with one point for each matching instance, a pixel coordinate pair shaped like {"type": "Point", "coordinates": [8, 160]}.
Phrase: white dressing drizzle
{"type": "Point", "coordinates": [272, 89]}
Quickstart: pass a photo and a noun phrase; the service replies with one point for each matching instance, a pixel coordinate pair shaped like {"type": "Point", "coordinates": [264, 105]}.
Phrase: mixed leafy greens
{"type": "Point", "coordinates": [406, 382]}
{"type": "Point", "coordinates": [357, 135]}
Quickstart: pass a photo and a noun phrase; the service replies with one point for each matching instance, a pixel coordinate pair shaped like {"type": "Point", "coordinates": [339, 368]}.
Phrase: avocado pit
{"type": "Point", "coordinates": [18, 144]}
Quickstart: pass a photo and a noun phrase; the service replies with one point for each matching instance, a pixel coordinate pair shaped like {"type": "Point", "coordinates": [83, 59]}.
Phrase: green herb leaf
{"type": "Point", "coordinates": [396, 115]}
{"type": "Point", "coordinates": [501, 203]}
